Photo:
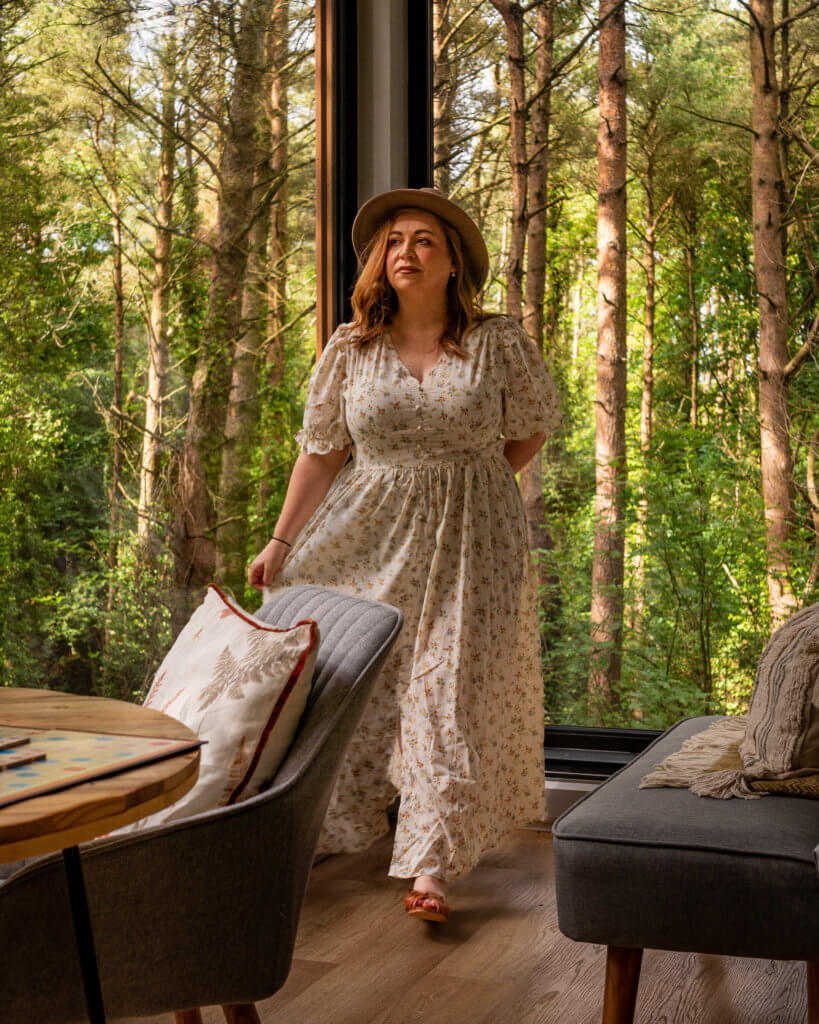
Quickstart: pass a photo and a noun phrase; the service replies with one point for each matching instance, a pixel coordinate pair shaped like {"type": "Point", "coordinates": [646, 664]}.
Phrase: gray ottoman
{"type": "Point", "coordinates": [664, 869]}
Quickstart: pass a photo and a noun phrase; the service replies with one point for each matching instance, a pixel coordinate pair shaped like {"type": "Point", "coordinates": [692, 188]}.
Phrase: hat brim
{"type": "Point", "coordinates": [378, 209]}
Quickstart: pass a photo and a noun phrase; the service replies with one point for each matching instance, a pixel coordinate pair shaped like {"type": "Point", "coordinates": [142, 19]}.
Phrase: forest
{"type": "Point", "coordinates": [647, 179]}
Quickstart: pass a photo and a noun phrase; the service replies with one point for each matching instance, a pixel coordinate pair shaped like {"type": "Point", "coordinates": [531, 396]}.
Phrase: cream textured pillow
{"type": "Point", "coordinates": [778, 740]}
{"type": "Point", "coordinates": [241, 686]}
{"type": "Point", "coordinates": [783, 734]}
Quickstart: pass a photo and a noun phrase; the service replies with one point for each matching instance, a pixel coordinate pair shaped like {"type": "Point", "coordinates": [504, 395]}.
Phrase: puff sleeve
{"type": "Point", "coordinates": [325, 424]}
{"type": "Point", "coordinates": [530, 400]}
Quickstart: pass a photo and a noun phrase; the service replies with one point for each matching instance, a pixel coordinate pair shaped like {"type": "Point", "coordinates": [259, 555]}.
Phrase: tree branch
{"type": "Point", "coordinates": [797, 134]}
{"type": "Point", "coordinates": [793, 366]}
{"type": "Point", "coordinates": [727, 14]}
{"type": "Point", "coordinates": [716, 120]}
{"type": "Point", "coordinates": [130, 104]}
{"type": "Point", "coordinates": [561, 64]}
{"type": "Point", "coordinates": [796, 15]}
{"type": "Point", "coordinates": [448, 37]}
{"type": "Point", "coordinates": [813, 498]}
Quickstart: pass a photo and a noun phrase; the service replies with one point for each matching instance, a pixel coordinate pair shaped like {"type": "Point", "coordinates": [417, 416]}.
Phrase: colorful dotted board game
{"type": "Point", "coordinates": [69, 758]}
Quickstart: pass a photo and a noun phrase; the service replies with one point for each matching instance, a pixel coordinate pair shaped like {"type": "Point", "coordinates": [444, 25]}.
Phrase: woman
{"type": "Point", "coordinates": [441, 405]}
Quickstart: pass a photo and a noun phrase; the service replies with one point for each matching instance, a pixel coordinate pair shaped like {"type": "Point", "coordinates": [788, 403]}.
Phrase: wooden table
{"type": "Point", "coordinates": [61, 820]}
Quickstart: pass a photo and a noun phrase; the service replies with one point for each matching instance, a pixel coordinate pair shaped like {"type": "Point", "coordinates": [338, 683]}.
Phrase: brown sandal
{"type": "Point", "coordinates": [428, 906]}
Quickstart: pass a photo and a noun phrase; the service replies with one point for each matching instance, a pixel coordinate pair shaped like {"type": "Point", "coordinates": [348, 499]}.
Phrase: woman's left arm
{"type": "Point", "coordinates": [529, 396]}
{"type": "Point", "coordinates": [519, 453]}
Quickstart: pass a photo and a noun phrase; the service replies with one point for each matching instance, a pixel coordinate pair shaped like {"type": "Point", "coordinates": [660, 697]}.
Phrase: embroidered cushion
{"type": "Point", "coordinates": [241, 686]}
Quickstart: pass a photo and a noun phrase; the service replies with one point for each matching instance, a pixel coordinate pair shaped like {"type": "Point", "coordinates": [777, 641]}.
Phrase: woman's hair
{"type": "Point", "coordinates": [375, 302]}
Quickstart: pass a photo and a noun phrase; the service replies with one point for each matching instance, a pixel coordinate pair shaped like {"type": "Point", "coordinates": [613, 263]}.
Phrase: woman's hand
{"type": "Point", "coordinates": [309, 483]}
{"type": "Point", "coordinates": [265, 566]}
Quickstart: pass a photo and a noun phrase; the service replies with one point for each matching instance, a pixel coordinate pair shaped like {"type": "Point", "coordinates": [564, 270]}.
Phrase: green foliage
{"type": "Point", "coordinates": [706, 582]}
{"type": "Point", "coordinates": [49, 496]}
{"type": "Point", "coordinates": [696, 616]}
{"type": "Point", "coordinates": [85, 607]}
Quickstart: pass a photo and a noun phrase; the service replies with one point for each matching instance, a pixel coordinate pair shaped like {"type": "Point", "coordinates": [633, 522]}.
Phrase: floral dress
{"type": "Point", "coordinates": [427, 516]}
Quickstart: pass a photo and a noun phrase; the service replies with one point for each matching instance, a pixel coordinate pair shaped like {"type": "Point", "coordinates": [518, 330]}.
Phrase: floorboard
{"type": "Point", "coordinates": [500, 959]}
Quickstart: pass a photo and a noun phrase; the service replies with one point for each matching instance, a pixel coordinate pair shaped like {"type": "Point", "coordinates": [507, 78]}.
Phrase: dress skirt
{"type": "Point", "coordinates": [427, 516]}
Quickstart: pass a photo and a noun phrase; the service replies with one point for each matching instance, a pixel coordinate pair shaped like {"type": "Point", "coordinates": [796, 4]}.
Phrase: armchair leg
{"type": "Point", "coordinates": [622, 979]}
{"type": "Point", "coordinates": [187, 1017]}
{"type": "Point", "coordinates": [241, 1013]}
{"type": "Point", "coordinates": [813, 991]}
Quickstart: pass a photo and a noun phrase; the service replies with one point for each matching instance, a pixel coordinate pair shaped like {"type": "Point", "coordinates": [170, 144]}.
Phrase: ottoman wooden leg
{"type": "Point", "coordinates": [813, 991]}
{"type": "Point", "coordinates": [241, 1013]}
{"type": "Point", "coordinates": [622, 979]}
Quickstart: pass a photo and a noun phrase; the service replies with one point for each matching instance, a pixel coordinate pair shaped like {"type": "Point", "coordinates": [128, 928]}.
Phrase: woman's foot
{"type": "Point", "coordinates": [427, 899]}
{"type": "Point", "coordinates": [430, 884]}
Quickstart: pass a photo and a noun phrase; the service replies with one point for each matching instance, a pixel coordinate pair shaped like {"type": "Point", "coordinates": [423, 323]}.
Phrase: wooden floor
{"type": "Point", "coordinates": [500, 959]}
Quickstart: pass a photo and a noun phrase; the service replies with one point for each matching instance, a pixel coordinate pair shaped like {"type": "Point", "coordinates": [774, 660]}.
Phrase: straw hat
{"type": "Point", "coordinates": [376, 210]}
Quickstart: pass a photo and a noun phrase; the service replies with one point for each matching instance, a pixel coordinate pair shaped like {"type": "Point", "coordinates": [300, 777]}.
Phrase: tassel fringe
{"type": "Point", "coordinates": [708, 764]}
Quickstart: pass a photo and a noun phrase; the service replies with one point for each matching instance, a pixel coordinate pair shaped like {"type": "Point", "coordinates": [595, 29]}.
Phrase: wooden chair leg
{"type": "Point", "coordinates": [622, 979]}
{"type": "Point", "coordinates": [241, 1013]}
{"type": "Point", "coordinates": [813, 991]}
{"type": "Point", "coordinates": [187, 1017]}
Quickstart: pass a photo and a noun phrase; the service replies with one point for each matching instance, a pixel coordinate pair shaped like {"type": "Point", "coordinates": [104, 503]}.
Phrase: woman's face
{"type": "Point", "coordinates": [418, 262]}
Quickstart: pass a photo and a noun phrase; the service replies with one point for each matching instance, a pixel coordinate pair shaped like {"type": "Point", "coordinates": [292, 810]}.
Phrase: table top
{"type": "Point", "coordinates": [57, 820]}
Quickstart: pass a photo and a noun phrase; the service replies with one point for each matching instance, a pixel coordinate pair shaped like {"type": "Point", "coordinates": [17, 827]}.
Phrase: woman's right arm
{"type": "Point", "coordinates": [309, 483]}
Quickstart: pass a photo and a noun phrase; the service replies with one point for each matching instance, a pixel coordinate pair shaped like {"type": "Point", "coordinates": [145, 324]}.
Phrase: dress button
{"type": "Point", "coordinates": [419, 427]}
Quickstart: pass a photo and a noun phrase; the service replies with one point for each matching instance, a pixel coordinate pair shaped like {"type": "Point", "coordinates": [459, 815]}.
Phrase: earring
{"type": "Point", "coordinates": [452, 273]}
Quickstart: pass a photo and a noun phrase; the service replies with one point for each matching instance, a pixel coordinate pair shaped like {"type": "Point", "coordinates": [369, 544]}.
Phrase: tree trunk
{"type": "Point", "coordinates": [722, 363]}
{"type": "Point", "coordinates": [813, 500]}
{"type": "Point", "coordinates": [243, 407]}
{"type": "Point", "coordinates": [477, 181]}
{"type": "Point", "coordinates": [531, 476]}
{"type": "Point", "coordinates": [189, 268]}
{"type": "Point", "coordinates": [646, 408]}
{"type": "Point", "coordinates": [442, 93]}
{"type": "Point", "coordinates": [119, 350]}
{"type": "Point", "coordinates": [512, 15]}
{"type": "Point", "coordinates": [693, 315]}
{"type": "Point", "coordinates": [273, 428]}
{"type": "Point", "coordinates": [577, 311]}
{"type": "Point", "coordinates": [538, 178]}
{"type": "Point", "coordinates": [195, 524]}
{"type": "Point", "coordinates": [653, 219]}
{"type": "Point", "coordinates": [610, 403]}
{"type": "Point", "coordinates": [647, 399]}
{"type": "Point", "coordinates": [556, 301]}
{"type": "Point", "coordinates": [551, 597]}
{"type": "Point", "coordinates": [188, 271]}
{"type": "Point", "coordinates": [158, 325]}
{"type": "Point", "coordinates": [485, 172]}
{"type": "Point", "coordinates": [769, 265]}
{"type": "Point", "coordinates": [784, 113]}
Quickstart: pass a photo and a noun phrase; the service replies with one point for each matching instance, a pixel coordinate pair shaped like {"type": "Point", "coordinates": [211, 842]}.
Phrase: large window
{"type": "Point", "coordinates": [167, 270]}
{"type": "Point", "coordinates": [157, 230]}
{"type": "Point", "coordinates": [517, 114]}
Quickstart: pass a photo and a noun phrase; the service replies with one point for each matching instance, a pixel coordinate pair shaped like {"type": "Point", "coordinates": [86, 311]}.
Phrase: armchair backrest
{"type": "Point", "coordinates": [204, 910]}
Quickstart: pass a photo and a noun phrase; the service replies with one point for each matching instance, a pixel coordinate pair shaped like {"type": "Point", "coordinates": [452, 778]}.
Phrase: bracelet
{"type": "Point", "coordinates": [287, 542]}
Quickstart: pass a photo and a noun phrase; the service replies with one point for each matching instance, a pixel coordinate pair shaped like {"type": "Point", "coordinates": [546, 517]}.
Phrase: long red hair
{"type": "Point", "coordinates": [375, 303]}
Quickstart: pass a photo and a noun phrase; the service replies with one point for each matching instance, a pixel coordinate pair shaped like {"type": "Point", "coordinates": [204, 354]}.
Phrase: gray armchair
{"type": "Point", "coordinates": [205, 910]}
{"type": "Point", "coordinates": [665, 869]}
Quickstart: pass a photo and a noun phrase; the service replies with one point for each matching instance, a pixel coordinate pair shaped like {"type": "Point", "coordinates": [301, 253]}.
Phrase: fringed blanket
{"type": "Point", "coordinates": [775, 747]}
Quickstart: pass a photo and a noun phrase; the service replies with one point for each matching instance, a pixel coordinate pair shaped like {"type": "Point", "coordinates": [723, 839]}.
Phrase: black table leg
{"type": "Point", "coordinates": [85, 937]}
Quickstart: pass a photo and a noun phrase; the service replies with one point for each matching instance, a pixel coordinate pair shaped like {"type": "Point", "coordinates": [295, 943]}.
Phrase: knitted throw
{"type": "Point", "coordinates": [779, 737]}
